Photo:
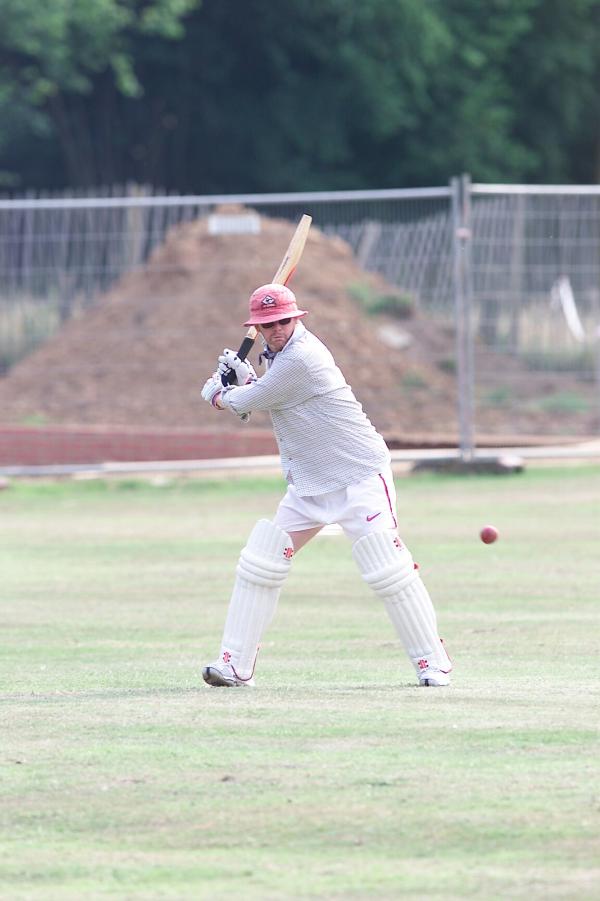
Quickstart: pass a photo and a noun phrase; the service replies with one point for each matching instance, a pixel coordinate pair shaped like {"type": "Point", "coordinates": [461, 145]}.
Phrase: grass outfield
{"type": "Point", "coordinates": [123, 776]}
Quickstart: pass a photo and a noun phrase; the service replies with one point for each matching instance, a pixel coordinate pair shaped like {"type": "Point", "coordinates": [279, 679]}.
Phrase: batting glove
{"type": "Point", "coordinates": [244, 371]}
{"type": "Point", "coordinates": [212, 390]}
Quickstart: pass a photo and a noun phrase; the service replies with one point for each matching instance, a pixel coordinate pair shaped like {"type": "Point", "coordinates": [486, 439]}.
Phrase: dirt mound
{"type": "Point", "coordinates": [141, 354]}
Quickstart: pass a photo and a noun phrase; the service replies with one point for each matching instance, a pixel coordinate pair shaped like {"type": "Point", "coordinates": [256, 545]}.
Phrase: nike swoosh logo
{"type": "Point", "coordinates": [373, 516]}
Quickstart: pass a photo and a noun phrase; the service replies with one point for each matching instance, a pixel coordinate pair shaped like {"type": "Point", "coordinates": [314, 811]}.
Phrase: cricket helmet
{"type": "Point", "coordinates": [269, 303]}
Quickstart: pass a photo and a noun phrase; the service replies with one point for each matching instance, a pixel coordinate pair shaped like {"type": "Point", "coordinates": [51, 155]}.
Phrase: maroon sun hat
{"type": "Point", "coordinates": [269, 303]}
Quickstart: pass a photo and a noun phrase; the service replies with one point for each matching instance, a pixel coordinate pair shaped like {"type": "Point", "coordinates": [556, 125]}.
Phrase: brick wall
{"type": "Point", "coordinates": [38, 446]}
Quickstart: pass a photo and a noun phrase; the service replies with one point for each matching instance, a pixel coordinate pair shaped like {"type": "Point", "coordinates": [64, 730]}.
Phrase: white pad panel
{"type": "Point", "coordinates": [387, 566]}
{"type": "Point", "coordinates": [266, 558]}
{"type": "Point", "coordinates": [262, 569]}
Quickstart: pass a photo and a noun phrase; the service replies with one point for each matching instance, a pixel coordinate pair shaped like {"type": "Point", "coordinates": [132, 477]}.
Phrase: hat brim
{"type": "Point", "coordinates": [275, 317]}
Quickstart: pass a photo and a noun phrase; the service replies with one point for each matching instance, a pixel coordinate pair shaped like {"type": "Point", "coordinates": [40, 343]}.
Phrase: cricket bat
{"type": "Point", "coordinates": [286, 269]}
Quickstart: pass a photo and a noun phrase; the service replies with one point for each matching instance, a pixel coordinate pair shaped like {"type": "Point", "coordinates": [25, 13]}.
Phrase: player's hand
{"type": "Point", "coordinates": [244, 371]}
{"type": "Point", "coordinates": [212, 390]}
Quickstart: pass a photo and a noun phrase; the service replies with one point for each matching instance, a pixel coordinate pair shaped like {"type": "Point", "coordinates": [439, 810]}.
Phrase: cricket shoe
{"type": "Point", "coordinates": [223, 674]}
{"type": "Point", "coordinates": [434, 678]}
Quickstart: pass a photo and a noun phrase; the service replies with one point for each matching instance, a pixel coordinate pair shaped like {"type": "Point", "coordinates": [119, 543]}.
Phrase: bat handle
{"type": "Point", "coordinates": [244, 349]}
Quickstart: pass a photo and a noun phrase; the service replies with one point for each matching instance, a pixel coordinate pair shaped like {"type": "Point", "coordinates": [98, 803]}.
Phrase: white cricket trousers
{"type": "Point", "coordinates": [360, 509]}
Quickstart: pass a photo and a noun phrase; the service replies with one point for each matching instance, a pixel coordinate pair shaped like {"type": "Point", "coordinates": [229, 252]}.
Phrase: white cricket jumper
{"type": "Point", "coordinates": [325, 439]}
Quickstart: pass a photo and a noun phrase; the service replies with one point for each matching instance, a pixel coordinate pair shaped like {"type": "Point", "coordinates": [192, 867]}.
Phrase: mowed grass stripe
{"type": "Point", "coordinates": [122, 776]}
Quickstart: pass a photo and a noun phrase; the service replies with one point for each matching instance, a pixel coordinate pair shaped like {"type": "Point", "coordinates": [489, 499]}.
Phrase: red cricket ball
{"type": "Point", "coordinates": [488, 534]}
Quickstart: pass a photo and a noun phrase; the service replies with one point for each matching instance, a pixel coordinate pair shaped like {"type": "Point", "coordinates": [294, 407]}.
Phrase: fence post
{"type": "Point", "coordinates": [461, 237]}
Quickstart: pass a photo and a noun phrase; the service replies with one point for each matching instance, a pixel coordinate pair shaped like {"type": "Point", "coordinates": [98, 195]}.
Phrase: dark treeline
{"type": "Point", "coordinates": [205, 96]}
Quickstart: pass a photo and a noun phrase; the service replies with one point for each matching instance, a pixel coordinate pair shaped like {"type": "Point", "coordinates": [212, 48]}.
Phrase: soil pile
{"type": "Point", "coordinates": [140, 356]}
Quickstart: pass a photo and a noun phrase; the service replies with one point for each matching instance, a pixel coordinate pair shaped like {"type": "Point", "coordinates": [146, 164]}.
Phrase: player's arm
{"type": "Point", "coordinates": [285, 384]}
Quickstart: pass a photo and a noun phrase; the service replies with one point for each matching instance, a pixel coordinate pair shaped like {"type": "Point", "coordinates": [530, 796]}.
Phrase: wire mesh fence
{"type": "Point", "coordinates": [536, 305]}
{"type": "Point", "coordinates": [506, 278]}
{"type": "Point", "coordinates": [58, 255]}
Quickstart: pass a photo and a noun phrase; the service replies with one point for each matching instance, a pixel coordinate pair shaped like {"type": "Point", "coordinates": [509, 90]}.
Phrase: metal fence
{"type": "Point", "coordinates": [535, 306]}
{"type": "Point", "coordinates": [508, 276]}
{"type": "Point", "coordinates": [72, 249]}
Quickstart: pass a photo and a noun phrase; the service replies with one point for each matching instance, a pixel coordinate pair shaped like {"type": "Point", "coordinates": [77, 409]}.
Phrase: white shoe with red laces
{"type": "Point", "coordinates": [223, 674]}
{"type": "Point", "coordinates": [433, 677]}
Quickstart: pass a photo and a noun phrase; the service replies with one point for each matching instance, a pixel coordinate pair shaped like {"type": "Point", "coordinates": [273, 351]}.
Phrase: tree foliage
{"type": "Point", "coordinates": [250, 95]}
{"type": "Point", "coordinates": [55, 58]}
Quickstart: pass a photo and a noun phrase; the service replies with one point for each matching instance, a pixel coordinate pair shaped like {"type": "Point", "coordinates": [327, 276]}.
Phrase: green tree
{"type": "Point", "coordinates": [555, 80]}
{"type": "Point", "coordinates": [55, 56]}
{"type": "Point", "coordinates": [470, 124]}
{"type": "Point", "coordinates": [307, 98]}
{"type": "Point", "coordinates": [251, 95]}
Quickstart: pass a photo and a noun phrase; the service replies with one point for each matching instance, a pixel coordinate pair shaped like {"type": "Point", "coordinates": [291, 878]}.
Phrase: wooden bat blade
{"type": "Point", "coordinates": [293, 253]}
{"type": "Point", "coordinates": [286, 269]}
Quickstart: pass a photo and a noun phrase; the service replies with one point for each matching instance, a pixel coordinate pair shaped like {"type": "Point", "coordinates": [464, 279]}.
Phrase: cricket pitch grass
{"type": "Point", "coordinates": [123, 776]}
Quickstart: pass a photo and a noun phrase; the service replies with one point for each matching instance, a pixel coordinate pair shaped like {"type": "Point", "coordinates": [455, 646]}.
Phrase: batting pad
{"type": "Point", "coordinates": [262, 569]}
{"type": "Point", "coordinates": [388, 567]}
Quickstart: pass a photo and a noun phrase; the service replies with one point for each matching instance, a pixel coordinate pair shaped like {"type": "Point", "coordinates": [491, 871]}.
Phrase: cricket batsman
{"type": "Point", "coordinates": [338, 470]}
